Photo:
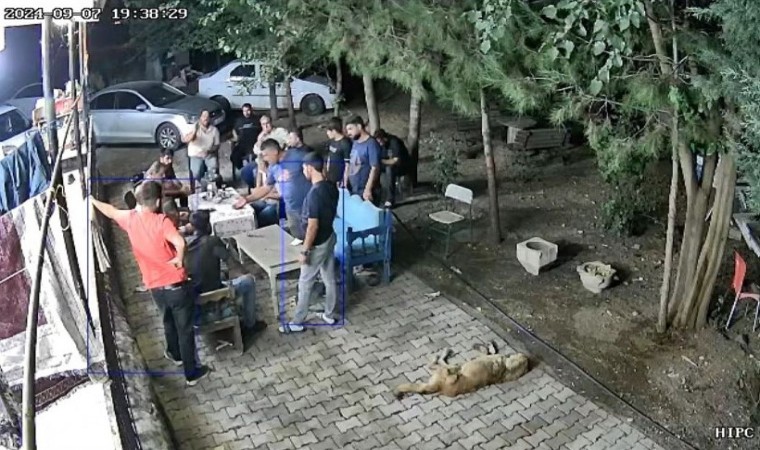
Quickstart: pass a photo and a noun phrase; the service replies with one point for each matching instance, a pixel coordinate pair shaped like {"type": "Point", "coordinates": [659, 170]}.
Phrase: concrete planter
{"type": "Point", "coordinates": [596, 276]}
{"type": "Point", "coordinates": [536, 253]}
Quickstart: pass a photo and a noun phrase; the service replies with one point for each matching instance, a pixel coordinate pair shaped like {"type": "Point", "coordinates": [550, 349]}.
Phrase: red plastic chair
{"type": "Point", "coordinates": [740, 270]}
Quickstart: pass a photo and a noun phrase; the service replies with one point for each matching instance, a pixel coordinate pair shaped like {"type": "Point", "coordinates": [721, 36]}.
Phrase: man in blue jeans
{"type": "Point", "coordinates": [203, 261]}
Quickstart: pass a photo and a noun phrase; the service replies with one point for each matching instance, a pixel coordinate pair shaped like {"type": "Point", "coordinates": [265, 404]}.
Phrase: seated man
{"type": "Point", "coordinates": [172, 187]}
{"type": "Point", "coordinates": [252, 172]}
{"type": "Point", "coordinates": [157, 172]}
{"type": "Point", "coordinates": [203, 257]}
{"type": "Point", "coordinates": [395, 158]}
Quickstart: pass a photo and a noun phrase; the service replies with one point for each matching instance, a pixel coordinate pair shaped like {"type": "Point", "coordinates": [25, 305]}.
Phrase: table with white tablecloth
{"type": "Point", "coordinates": [226, 221]}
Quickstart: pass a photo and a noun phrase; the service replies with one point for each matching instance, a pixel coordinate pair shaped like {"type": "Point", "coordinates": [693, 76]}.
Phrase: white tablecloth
{"type": "Point", "coordinates": [225, 220]}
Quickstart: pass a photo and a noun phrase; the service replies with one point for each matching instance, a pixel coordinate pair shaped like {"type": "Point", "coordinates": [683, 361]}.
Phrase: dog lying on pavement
{"type": "Point", "coordinates": [452, 380]}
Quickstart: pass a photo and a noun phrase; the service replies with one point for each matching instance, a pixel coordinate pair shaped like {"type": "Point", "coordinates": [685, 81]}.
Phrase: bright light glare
{"type": "Point", "coordinates": [2, 35]}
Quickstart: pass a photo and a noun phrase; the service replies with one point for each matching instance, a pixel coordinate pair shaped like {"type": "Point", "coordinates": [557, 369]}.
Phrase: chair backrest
{"type": "Point", "coordinates": [740, 270]}
{"type": "Point", "coordinates": [459, 193]}
{"type": "Point", "coordinates": [218, 295]}
{"type": "Point", "coordinates": [358, 213]}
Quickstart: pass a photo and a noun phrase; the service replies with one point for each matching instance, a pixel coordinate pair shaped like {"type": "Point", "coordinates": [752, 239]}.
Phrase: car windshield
{"type": "Point", "coordinates": [12, 123]}
{"type": "Point", "coordinates": [160, 95]}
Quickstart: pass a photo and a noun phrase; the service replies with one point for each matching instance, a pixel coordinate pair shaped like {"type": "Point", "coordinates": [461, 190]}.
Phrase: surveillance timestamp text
{"type": "Point", "coordinates": [93, 14]}
{"type": "Point", "coordinates": [55, 13]}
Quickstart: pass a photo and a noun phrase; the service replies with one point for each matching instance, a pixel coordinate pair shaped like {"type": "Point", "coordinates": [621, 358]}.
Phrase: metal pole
{"type": "Point", "coordinates": [73, 78]}
{"type": "Point", "coordinates": [47, 88]}
{"type": "Point", "coordinates": [28, 405]}
{"type": "Point", "coordinates": [84, 76]}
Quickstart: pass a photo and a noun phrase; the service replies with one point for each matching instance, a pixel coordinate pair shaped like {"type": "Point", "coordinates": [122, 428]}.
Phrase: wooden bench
{"type": "Point", "coordinates": [232, 323]}
{"type": "Point", "coordinates": [538, 138]}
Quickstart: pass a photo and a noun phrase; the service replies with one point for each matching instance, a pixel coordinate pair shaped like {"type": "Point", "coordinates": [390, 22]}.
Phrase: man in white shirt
{"type": "Point", "coordinates": [203, 148]}
{"type": "Point", "coordinates": [255, 172]}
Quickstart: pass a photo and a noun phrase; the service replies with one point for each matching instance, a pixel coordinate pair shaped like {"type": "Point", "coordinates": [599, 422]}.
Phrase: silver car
{"type": "Point", "coordinates": [148, 112]}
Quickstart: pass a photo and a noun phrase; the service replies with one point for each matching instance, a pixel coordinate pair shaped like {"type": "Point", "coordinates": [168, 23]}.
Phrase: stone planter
{"type": "Point", "coordinates": [536, 253]}
{"type": "Point", "coordinates": [596, 276]}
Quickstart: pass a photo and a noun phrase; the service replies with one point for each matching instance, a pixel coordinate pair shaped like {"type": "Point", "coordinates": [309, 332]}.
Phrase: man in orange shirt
{"type": "Point", "coordinates": [159, 251]}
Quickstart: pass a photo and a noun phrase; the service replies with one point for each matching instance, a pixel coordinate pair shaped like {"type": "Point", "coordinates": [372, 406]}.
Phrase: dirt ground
{"type": "Point", "coordinates": [688, 382]}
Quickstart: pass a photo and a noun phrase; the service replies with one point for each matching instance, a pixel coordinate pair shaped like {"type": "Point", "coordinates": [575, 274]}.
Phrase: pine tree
{"type": "Point", "coordinates": [599, 58]}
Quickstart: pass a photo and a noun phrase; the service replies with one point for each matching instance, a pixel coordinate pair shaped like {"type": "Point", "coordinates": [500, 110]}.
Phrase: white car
{"type": "Point", "coordinates": [13, 128]}
{"type": "Point", "coordinates": [241, 82]}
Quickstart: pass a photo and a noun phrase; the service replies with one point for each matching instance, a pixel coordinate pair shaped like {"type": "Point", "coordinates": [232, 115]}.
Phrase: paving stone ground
{"type": "Point", "coordinates": [331, 387]}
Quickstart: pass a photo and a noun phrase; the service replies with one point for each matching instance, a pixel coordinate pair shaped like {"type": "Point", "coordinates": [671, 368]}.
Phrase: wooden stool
{"type": "Point", "coordinates": [228, 323]}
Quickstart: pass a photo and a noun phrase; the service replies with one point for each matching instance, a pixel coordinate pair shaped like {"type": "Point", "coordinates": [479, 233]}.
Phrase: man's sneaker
{"type": "Point", "coordinates": [176, 362]}
{"type": "Point", "coordinates": [327, 319]}
{"type": "Point", "coordinates": [291, 328]}
{"type": "Point", "coordinates": [200, 373]}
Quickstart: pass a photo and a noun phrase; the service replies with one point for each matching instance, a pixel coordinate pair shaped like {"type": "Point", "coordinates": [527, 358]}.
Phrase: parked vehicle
{"type": "Point", "coordinates": [13, 127]}
{"type": "Point", "coordinates": [26, 98]}
{"type": "Point", "coordinates": [148, 112]}
{"type": "Point", "coordinates": [242, 82]}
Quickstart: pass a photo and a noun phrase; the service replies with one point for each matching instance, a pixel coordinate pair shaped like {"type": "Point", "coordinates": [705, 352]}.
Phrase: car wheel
{"type": "Point", "coordinates": [223, 102]}
{"type": "Point", "coordinates": [313, 105]}
{"type": "Point", "coordinates": [167, 137]}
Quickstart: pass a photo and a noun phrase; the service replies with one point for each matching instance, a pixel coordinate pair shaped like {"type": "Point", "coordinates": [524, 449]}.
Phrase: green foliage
{"type": "Point", "coordinates": [623, 158]}
{"type": "Point", "coordinates": [445, 162]}
{"type": "Point", "coordinates": [164, 35]}
{"type": "Point", "coordinates": [603, 33]}
{"type": "Point", "coordinates": [740, 81]}
{"type": "Point", "coordinates": [593, 58]}
{"type": "Point", "coordinates": [629, 208]}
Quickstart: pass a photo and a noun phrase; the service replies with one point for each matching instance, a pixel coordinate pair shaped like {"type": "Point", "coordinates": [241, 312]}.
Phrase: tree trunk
{"type": "Point", "coordinates": [413, 138]}
{"type": "Point", "coordinates": [694, 308]}
{"type": "Point", "coordinates": [700, 255]}
{"type": "Point", "coordinates": [493, 195]}
{"type": "Point", "coordinates": [338, 87]}
{"type": "Point", "coordinates": [292, 124]}
{"type": "Point", "coordinates": [274, 111]}
{"type": "Point", "coordinates": [697, 196]}
{"type": "Point", "coordinates": [726, 187]}
{"type": "Point", "coordinates": [373, 116]}
{"type": "Point", "coordinates": [662, 317]}
{"type": "Point", "coordinates": [10, 435]}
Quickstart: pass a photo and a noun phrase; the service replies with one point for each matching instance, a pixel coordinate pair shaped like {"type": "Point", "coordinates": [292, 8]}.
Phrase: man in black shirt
{"type": "Point", "coordinates": [395, 159]}
{"type": "Point", "coordinates": [338, 152]}
{"type": "Point", "coordinates": [244, 136]}
{"type": "Point", "coordinates": [203, 256]}
{"type": "Point", "coordinates": [317, 256]}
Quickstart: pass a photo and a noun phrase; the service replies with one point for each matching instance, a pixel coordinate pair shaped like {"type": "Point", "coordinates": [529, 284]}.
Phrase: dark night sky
{"type": "Point", "coordinates": [21, 61]}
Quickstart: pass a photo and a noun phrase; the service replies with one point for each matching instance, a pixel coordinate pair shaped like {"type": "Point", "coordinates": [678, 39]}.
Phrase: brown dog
{"type": "Point", "coordinates": [453, 380]}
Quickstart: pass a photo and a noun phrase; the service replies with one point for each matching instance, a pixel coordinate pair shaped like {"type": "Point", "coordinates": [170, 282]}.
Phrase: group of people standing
{"type": "Point", "coordinates": [177, 254]}
{"type": "Point", "coordinates": [284, 174]}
